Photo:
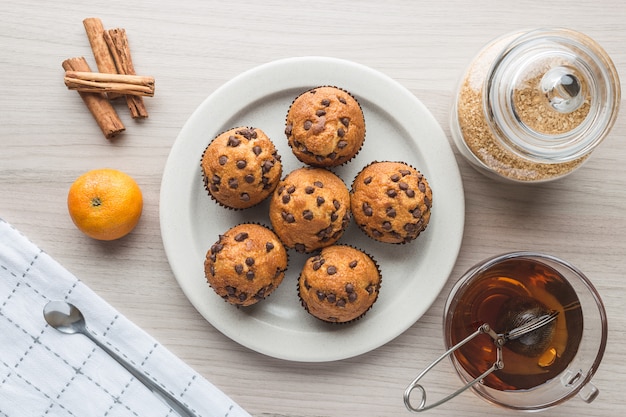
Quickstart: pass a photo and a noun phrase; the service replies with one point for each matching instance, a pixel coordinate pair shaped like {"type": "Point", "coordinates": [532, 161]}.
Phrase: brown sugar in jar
{"type": "Point", "coordinates": [532, 106]}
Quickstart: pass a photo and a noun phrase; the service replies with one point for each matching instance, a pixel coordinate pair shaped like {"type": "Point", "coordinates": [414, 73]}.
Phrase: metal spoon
{"type": "Point", "coordinates": [68, 319]}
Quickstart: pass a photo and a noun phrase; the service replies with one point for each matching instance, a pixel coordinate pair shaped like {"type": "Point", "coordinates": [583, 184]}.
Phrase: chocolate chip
{"type": "Point", "coordinates": [320, 113]}
{"type": "Point", "coordinates": [317, 265]}
{"type": "Point", "coordinates": [257, 150]}
{"type": "Point", "coordinates": [320, 295]}
{"type": "Point", "coordinates": [286, 198]}
{"type": "Point", "coordinates": [318, 184]}
{"type": "Point", "coordinates": [239, 268]}
{"type": "Point", "coordinates": [367, 180]}
{"type": "Point", "coordinates": [307, 125]}
{"type": "Point", "coordinates": [241, 237]}
{"type": "Point", "coordinates": [371, 288]}
{"type": "Point", "coordinates": [345, 121]}
{"type": "Point", "coordinates": [427, 202]}
{"type": "Point", "coordinates": [299, 247]}
{"type": "Point", "coordinates": [249, 261]}
{"type": "Point", "coordinates": [244, 197]}
{"type": "Point", "coordinates": [334, 217]}
{"type": "Point", "coordinates": [376, 233]}
{"type": "Point", "coordinates": [320, 200]}
{"type": "Point", "coordinates": [353, 264]}
{"type": "Point", "coordinates": [405, 172]}
{"type": "Point", "coordinates": [217, 248]}
{"type": "Point", "coordinates": [341, 302]}
{"type": "Point", "coordinates": [342, 100]}
{"type": "Point", "coordinates": [288, 217]}
{"type": "Point", "coordinates": [391, 212]}
{"type": "Point", "coordinates": [233, 183]}
{"type": "Point", "coordinates": [307, 215]}
{"type": "Point", "coordinates": [403, 186]}
{"type": "Point", "coordinates": [331, 297]}
{"type": "Point", "coordinates": [291, 189]}
{"type": "Point", "coordinates": [309, 189]}
{"type": "Point", "coordinates": [331, 270]}
{"type": "Point", "coordinates": [243, 296]}
{"type": "Point", "coordinates": [409, 227]}
{"type": "Point", "coordinates": [340, 132]}
{"type": "Point", "coordinates": [392, 193]}
{"type": "Point", "coordinates": [326, 102]}
{"type": "Point", "coordinates": [349, 288]}
{"type": "Point", "coordinates": [216, 179]}
{"type": "Point", "coordinates": [410, 193]}
{"type": "Point", "coordinates": [367, 210]}
{"type": "Point", "coordinates": [223, 159]}
{"type": "Point", "coordinates": [395, 178]}
{"type": "Point", "coordinates": [288, 129]}
{"type": "Point", "coordinates": [269, 246]}
{"type": "Point", "coordinates": [332, 155]}
{"type": "Point", "coordinates": [386, 225]}
{"type": "Point", "coordinates": [267, 165]}
{"type": "Point", "coordinates": [342, 144]}
{"type": "Point", "coordinates": [250, 179]}
{"type": "Point", "coordinates": [233, 141]}
{"type": "Point", "coordinates": [336, 204]}
{"type": "Point", "coordinates": [421, 186]}
{"type": "Point", "coordinates": [352, 297]}
{"type": "Point", "coordinates": [247, 133]}
{"type": "Point", "coordinates": [231, 290]}
{"type": "Point", "coordinates": [250, 275]}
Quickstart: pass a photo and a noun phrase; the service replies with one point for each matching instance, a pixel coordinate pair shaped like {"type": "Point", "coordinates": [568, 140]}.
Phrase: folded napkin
{"type": "Point", "coordinates": [44, 372]}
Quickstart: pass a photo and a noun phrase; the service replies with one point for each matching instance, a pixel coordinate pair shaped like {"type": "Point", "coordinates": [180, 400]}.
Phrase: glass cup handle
{"type": "Point", "coordinates": [414, 385]}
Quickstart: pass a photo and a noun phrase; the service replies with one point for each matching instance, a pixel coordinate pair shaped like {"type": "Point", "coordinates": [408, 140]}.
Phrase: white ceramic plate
{"type": "Point", "coordinates": [399, 128]}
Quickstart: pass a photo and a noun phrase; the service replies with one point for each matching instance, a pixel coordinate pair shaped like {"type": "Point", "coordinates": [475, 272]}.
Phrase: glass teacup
{"type": "Point", "coordinates": [525, 331]}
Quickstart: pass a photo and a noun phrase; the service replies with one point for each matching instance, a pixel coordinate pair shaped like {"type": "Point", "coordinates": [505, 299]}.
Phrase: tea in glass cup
{"type": "Point", "coordinates": [543, 367]}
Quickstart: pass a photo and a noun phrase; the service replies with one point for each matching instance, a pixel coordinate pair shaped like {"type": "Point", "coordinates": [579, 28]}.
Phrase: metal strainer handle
{"type": "Point", "coordinates": [414, 385]}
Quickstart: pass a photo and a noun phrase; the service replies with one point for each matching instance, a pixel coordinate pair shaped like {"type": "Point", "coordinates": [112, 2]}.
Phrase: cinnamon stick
{"type": "Point", "coordinates": [104, 61]}
{"type": "Point", "coordinates": [117, 42]}
{"type": "Point", "coordinates": [98, 104]}
{"type": "Point", "coordinates": [96, 82]}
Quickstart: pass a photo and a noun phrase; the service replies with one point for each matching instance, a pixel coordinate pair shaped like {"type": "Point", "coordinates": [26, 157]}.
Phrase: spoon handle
{"type": "Point", "coordinates": [159, 391]}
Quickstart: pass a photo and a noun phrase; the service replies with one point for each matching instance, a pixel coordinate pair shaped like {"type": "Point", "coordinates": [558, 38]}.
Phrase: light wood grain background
{"type": "Point", "coordinates": [191, 47]}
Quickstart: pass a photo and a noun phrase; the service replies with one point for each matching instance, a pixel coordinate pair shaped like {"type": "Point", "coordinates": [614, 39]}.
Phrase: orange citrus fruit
{"type": "Point", "coordinates": [105, 204]}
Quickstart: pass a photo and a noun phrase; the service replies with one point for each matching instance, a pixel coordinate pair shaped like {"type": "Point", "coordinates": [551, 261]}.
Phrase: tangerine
{"type": "Point", "coordinates": [105, 204]}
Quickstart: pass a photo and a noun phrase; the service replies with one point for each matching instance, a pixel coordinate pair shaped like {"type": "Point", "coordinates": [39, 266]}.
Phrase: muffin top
{"type": "Point", "coordinates": [241, 167]}
{"type": "Point", "coordinates": [340, 284]}
{"type": "Point", "coordinates": [246, 264]}
{"type": "Point", "coordinates": [310, 209]}
{"type": "Point", "coordinates": [391, 201]}
{"type": "Point", "coordinates": [325, 127]}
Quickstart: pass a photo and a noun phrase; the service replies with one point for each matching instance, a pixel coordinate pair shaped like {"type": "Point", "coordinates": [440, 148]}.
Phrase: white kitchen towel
{"type": "Point", "coordinates": [45, 373]}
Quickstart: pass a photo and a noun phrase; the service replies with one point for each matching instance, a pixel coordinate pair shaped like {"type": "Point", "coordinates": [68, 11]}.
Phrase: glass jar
{"type": "Point", "coordinates": [532, 106]}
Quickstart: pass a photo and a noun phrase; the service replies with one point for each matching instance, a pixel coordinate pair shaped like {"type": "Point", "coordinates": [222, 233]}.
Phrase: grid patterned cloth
{"type": "Point", "coordinates": [44, 372]}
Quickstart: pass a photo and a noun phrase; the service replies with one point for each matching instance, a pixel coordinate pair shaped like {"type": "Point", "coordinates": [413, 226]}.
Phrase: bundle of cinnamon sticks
{"type": "Point", "coordinates": [116, 78]}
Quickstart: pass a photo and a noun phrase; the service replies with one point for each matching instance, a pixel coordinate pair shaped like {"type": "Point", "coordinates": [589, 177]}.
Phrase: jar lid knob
{"type": "Point", "coordinates": [563, 89]}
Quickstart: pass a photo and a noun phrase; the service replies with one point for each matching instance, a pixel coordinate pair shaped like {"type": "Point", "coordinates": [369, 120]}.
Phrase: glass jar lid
{"type": "Point", "coordinates": [552, 95]}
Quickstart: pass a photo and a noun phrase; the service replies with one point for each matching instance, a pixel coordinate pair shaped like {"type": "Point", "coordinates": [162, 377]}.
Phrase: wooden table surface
{"type": "Point", "coordinates": [192, 47]}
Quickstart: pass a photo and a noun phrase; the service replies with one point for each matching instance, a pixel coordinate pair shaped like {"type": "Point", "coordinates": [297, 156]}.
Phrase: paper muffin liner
{"type": "Point", "coordinates": [377, 289]}
{"type": "Point", "coordinates": [206, 180]}
{"type": "Point", "coordinates": [403, 242]}
{"type": "Point", "coordinates": [364, 126]}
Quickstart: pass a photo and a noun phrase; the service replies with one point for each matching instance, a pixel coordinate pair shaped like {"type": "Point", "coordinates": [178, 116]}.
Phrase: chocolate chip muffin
{"type": "Point", "coordinates": [310, 209]}
{"type": "Point", "coordinates": [241, 167]}
{"type": "Point", "coordinates": [391, 201]}
{"type": "Point", "coordinates": [340, 284]}
{"type": "Point", "coordinates": [246, 264]}
{"type": "Point", "coordinates": [325, 127]}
